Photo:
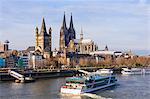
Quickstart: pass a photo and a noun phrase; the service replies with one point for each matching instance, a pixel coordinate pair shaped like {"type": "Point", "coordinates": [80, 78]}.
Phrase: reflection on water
{"type": "Point", "coordinates": [128, 87]}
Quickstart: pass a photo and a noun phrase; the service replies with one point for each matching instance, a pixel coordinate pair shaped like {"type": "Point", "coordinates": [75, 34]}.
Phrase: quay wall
{"type": "Point", "coordinates": [38, 75]}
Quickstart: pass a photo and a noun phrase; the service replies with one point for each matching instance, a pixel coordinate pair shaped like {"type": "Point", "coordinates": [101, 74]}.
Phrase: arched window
{"type": "Point", "coordinates": [85, 48]}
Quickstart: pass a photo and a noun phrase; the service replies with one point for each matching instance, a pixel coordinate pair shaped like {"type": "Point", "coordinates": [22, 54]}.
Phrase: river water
{"type": "Point", "coordinates": [128, 87]}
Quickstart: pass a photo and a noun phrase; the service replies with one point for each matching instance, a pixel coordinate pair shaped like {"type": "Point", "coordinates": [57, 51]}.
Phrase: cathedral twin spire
{"type": "Point", "coordinates": [64, 22]}
{"type": "Point", "coordinates": [66, 34]}
{"type": "Point", "coordinates": [71, 22]}
{"type": "Point", "coordinates": [71, 29]}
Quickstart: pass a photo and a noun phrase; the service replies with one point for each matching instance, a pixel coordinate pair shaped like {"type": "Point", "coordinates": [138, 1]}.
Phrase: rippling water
{"type": "Point", "coordinates": [128, 87]}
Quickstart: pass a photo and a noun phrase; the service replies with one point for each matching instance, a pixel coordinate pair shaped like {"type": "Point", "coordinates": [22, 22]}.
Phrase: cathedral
{"type": "Point", "coordinates": [69, 43]}
{"type": "Point", "coordinates": [43, 40]}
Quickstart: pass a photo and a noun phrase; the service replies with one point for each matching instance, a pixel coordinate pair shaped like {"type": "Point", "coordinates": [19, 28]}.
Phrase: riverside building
{"type": "Point", "coordinates": [4, 46]}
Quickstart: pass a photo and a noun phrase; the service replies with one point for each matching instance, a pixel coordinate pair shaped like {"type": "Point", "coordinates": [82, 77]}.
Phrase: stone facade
{"type": "Point", "coordinates": [43, 41]}
{"type": "Point", "coordinates": [66, 35]}
{"type": "Point", "coordinates": [87, 46]}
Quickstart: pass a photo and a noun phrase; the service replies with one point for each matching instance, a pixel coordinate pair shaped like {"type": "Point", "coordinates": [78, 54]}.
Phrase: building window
{"type": "Point", "coordinates": [85, 48]}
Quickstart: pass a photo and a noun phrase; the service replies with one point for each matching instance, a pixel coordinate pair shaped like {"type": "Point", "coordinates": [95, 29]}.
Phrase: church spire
{"type": "Point", "coordinates": [81, 35]}
{"type": "Point", "coordinates": [71, 22]}
{"type": "Point", "coordinates": [36, 30]}
{"type": "Point", "coordinates": [71, 29]}
{"type": "Point", "coordinates": [43, 28]}
{"type": "Point", "coordinates": [64, 21]}
{"type": "Point", "coordinates": [63, 35]}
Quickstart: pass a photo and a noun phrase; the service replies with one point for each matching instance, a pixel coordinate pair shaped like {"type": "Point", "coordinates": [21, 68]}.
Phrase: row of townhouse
{"type": "Point", "coordinates": [23, 59]}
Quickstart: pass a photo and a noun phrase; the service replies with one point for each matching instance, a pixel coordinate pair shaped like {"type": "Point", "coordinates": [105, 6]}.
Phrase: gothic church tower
{"type": "Point", "coordinates": [66, 35]}
{"type": "Point", "coordinates": [71, 30]}
{"type": "Point", "coordinates": [43, 40]}
{"type": "Point", "coordinates": [63, 35]}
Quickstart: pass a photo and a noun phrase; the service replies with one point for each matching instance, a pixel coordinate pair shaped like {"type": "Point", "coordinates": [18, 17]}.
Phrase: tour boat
{"type": "Point", "coordinates": [86, 84]}
{"type": "Point", "coordinates": [146, 71]}
{"type": "Point", "coordinates": [127, 71]}
{"type": "Point", "coordinates": [104, 71]}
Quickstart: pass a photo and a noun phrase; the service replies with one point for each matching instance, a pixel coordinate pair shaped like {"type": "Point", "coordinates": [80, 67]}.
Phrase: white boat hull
{"type": "Point", "coordinates": [70, 91]}
{"type": "Point", "coordinates": [130, 73]}
{"type": "Point", "coordinates": [104, 71]}
{"type": "Point", "coordinates": [127, 71]}
{"type": "Point", "coordinates": [146, 71]}
{"type": "Point", "coordinates": [79, 91]}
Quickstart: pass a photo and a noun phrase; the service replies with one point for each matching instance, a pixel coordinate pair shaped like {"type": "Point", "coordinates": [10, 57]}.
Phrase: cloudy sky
{"type": "Point", "coordinates": [120, 24]}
